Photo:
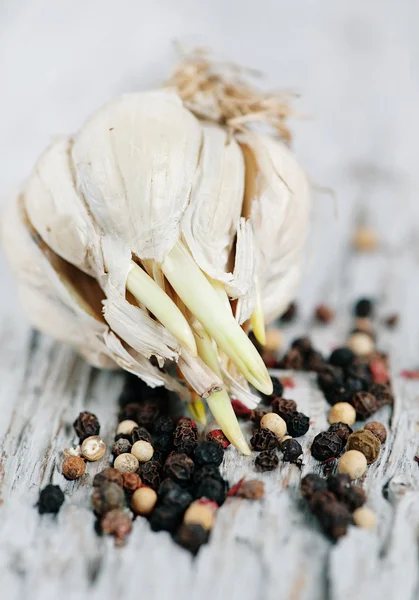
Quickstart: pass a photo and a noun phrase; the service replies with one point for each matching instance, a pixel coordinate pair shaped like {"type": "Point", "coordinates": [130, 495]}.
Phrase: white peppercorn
{"type": "Point", "coordinates": [126, 427]}
{"type": "Point", "coordinates": [274, 423]}
{"type": "Point", "coordinates": [143, 500]}
{"type": "Point", "coordinates": [361, 344]}
{"type": "Point", "coordinates": [273, 339]}
{"type": "Point", "coordinates": [365, 517]}
{"type": "Point", "coordinates": [142, 450]}
{"type": "Point", "coordinates": [93, 448]}
{"type": "Point", "coordinates": [342, 412]}
{"type": "Point", "coordinates": [200, 514]}
{"type": "Point", "coordinates": [353, 463]}
{"type": "Point", "coordinates": [126, 463]}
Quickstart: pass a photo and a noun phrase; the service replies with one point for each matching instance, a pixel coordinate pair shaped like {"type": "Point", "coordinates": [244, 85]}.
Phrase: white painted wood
{"type": "Point", "coordinates": [354, 63]}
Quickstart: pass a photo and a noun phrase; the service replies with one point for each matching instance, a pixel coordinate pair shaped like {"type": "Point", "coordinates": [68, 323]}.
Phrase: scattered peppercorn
{"type": "Point", "coordinates": [72, 451]}
{"type": "Point", "coordinates": [274, 423]}
{"type": "Point", "coordinates": [109, 475]}
{"type": "Point", "coordinates": [363, 308]}
{"type": "Point", "coordinates": [163, 443]}
{"type": "Point", "coordinates": [342, 412]}
{"type": "Point", "coordinates": [354, 497]}
{"type": "Point", "coordinates": [191, 536]}
{"type": "Point", "coordinates": [185, 437]}
{"type": "Point", "coordinates": [365, 517]}
{"type": "Point", "coordinates": [326, 444]}
{"type": "Point", "coordinates": [93, 448]}
{"type": "Point", "coordinates": [283, 407]}
{"type": "Point", "coordinates": [365, 442]}
{"type": "Point", "coordinates": [267, 461]}
{"type": "Point", "coordinates": [50, 500]}
{"type": "Point", "coordinates": [130, 481]}
{"type": "Point", "coordinates": [293, 359]}
{"type": "Point", "coordinates": [292, 450]}
{"type": "Point", "coordinates": [217, 436]}
{"type": "Point", "coordinates": [319, 499]}
{"type": "Point", "coordinates": [329, 377]}
{"type": "Point", "coordinates": [163, 424]}
{"type": "Point", "coordinates": [256, 415]}
{"type": "Point", "coordinates": [335, 519]}
{"type": "Point", "coordinates": [252, 489]}
{"type": "Point", "coordinates": [142, 450]}
{"type": "Point", "coordinates": [353, 463]}
{"type": "Point", "coordinates": [313, 361]}
{"type": "Point", "coordinates": [361, 343]}
{"type": "Point", "coordinates": [139, 434]}
{"type": "Point", "coordinates": [324, 314]}
{"type": "Point", "coordinates": [382, 393]}
{"type": "Point", "coordinates": [165, 518]}
{"type": "Point", "coordinates": [86, 425]}
{"type": "Point", "coordinates": [172, 495]}
{"type": "Point", "coordinates": [378, 430]}
{"type": "Point", "coordinates": [121, 446]}
{"type": "Point", "coordinates": [106, 497]}
{"type": "Point", "coordinates": [312, 483]}
{"type": "Point", "coordinates": [205, 472]}
{"type": "Point", "coordinates": [118, 523]}
{"type": "Point", "coordinates": [150, 473]}
{"type": "Point", "coordinates": [143, 501]}
{"type": "Point", "coordinates": [297, 424]}
{"type": "Point", "coordinates": [263, 439]}
{"type": "Point", "coordinates": [303, 344]}
{"type": "Point", "coordinates": [342, 357]}
{"type": "Point", "coordinates": [365, 404]}
{"type": "Point", "coordinates": [211, 488]}
{"type": "Point", "coordinates": [201, 514]}
{"type": "Point", "coordinates": [208, 453]}
{"type": "Point", "coordinates": [290, 314]}
{"type": "Point", "coordinates": [342, 430]}
{"type": "Point", "coordinates": [179, 467]}
{"type": "Point", "coordinates": [358, 376]}
{"type": "Point", "coordinates": [126, 463]}
{"type": "Point", "coordinates": [338, 484]}
{"type": "Point", "coordinates": [126, 427]}
{"type": "Point", "coordinates": [73, 467]}
{"type": "Point", "coordinates": [338, 394]}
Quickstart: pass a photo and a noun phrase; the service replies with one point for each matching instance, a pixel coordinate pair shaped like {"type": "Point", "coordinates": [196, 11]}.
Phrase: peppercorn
{"type": "Point", "coordinates": [342, 429]}
{"type": "Point", "coordinates": [267, 461]}
{"type": "Point", "coordinates": [329, 377]}
{"type": "Point", "coordinates": [240, 410]}
{"type": "Point", "coordinates": [274, 423]}
{"type": "Point", "coordinates": [173, 495]}
{"type": "Point", "coordinates": [163, 443]}
{"type": "Point", "coordinates": [179, 467]}
{"type": "Point", "coordinates": [217, 436]}
{"type": "Point", "coordinates": [191, 537]}
{"type": "Point", "coordinates": [206, 472]}
{"type": "Point", "coordinates": [106, 497]}
{"type": "Point", "coordinates": [214, 489]}
{"type": "Point", "coordinates": [72, 451]}
{"type": "Point", "coordinates": [163, 424]}
{"type": "Point", "coordinates": [313, 361]}
{"type": "Point", "coordinates": [109, 475]}
{"type": "Point", "coordinates": [73, 467]}
{"type": "Point", "coordinates": [354, 497]}
{"type": "Point", "coordinates": [365, 517]}
{"type": "Point", "coordinates": [150, 473]}
{"type": "Point", "coordinates": [364, 324]}
{"type": "Point", "coordinates": [392, 320]}
{"type": "Point", "coordinates": [185, 437]}
{"type": "Point", "coordinates": [208, 453]}
{"type": "Point", "coordinates": [278, 390]}
{"type": "Point", "coordinates": [334, 520]}
{"type": "Point", "coordinates": [365, 442]}
{"type": "Point", "coordinates": [93, 448]}
{"type": "Point", "coordinates": [50, 500]}
{"type": "Point", "coordinates": [201, 514]}
{"type": "Point", "coordinates": [378, 430]}
{"type": "Point", "coordinates": [130, 481]}
{"type": "Point", "coordinates": [363, 308]}
{"type": "Point", "coordinates": [290, 314]}
{"type": "Point", "coordinates": [256, 415]}
{"type": "Point", "coordinates": [126, 463]}
{"type": "Point", "coordinates": [382, 393]}
{"type": "Point", "coordinates": [324, 314]}
{"type": "Point", "coordinates": [118, 523]}
{"type": "Point", "coordinates": [342, 357]}
{"type": "Point", "coordinates": [297, 424]}
{"type": "Point", "coordinates": [140, 434]}
{"type": "Point", "coordinates": [143, 501]}
{"type": "Point", "coordinates": [292, 450]}
{"type": "Point", "coordinates": [365, 404]}
{"type": "Point", "coordinates": [361, 343]}
{"type": "Point", "coordinates": [311, 483]}
{"type": "Point", "coordinates": [165, 518]}
{"type": "Point", "coordinates": [252, 489]}
{"type": "Point", "coordinates": [293, 359]}
{"type": "Point", "coordinates": [126, 427]}
{"type": "Point", "coordinates": [353, 463]}
{"type": "Point", "coordinates": [121, 446]}
{"type": "Point", "coordinates": [338, 484]}
{"type": "Point", "coordinates": [147, 413]}
{"type": "Point", "coordinates": [342, 412]}
{"type": "Point", "coordinates": [338, 394]}
{"type": "Point", "coordinates": [283, 407]}
{"type": "Point", "coordinates": [142, 450]}
{"type": "Point", "coordinates": [303, 344]}
{"type": "Point", "coordinates": [86, 425]}
{"type": "Point", "coordinates": [358, 377]}
{"type": "Point", "coordinates": [320, 499]}
{"type": "Point", "coordinates": [263, 439]}
{"type": "Point", "coordinates": [326, 444]}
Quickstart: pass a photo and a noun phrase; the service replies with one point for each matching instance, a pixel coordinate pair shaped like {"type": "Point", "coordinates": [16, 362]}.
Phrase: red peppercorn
{"type": "Point", "coordinates": [240, 409]}
{"type": "Point", "coordinates": [324, 314]}
{"type": "Point", "coordinates": [217, 436]}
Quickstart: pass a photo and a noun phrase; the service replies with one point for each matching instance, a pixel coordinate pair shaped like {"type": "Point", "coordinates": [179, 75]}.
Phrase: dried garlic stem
{"type": "Point", "coordinates": [257, 319]}
{"type": "Point", "coordinates": [219, 402]}
{"type": "Point", "coordinates": [199, 297]}
{"type": "Point", "coordinates": [146, 291]}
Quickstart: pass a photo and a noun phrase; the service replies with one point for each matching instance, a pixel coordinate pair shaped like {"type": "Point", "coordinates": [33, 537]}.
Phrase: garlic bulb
{"type": "Point", "coordinates": [131, 238]}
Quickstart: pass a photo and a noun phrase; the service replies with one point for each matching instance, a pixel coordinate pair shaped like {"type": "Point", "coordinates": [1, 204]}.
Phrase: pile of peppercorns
{"type": "Point", "coordinates": [91, 446]}
{"type": "Point", "coordinates": [336, 503]}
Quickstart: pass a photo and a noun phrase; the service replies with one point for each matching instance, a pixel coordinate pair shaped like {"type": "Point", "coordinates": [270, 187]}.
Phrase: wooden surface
{"type": "Point", "coordinates": [355, 66]}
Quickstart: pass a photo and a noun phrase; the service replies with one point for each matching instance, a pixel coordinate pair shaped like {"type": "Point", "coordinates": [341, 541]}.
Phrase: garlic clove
{"type": "Point", "coordinates": [257, 319]}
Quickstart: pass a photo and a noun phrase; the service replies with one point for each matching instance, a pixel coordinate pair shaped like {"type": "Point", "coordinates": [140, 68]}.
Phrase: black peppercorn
{"type": "Point", "coordinates": [179, 467]}
{"type": "Point", "coordinates": [290, 314]}
{"type": "Point", "coordinates": [342, 357]}
{"type": "Point", "coordinates": [206, 472]}
{"type": "Point", "coordinates": [121, 446]}
{"type": "Point", "coordinates": [293, 359]}
{"type": "Point", "coordinates": [263, 439]}
{"type": "Point", "coordinates": [337, 394]}
{"type": "Point", "coordinates": [106, 497]}
{"type": "Point", "coordinates": [214, 489]}
{"type": "Point", "coordinates": [329, 377]}
{"type": "Point", "coordinates": [208, 453]}
{"type": "Point", "coordinates": [326, 445]}
{"type": "Point", "coordinates": [313, 361]}
{"type": "Point", "coordinates": [354, 497]}
{"type": "Point", "coordinates": [191, 536]}
{"type": "Point", "coordinates": [140, 434]}
{"type": "Point", "coordinates": [365, 404]}
{"type": "Point", "coordinates": [338, 484]}
{"type": "Point", "coordinates": [363, 307]}
{"type": "Point", "coordinates": [50, 500]}
{"type": "Point", "coordinates": [320, 499]}
{"type": "Point", "coordinates": [173, 495]}
{"type": "Point", "coordinates": [292, 450]}
{"type": "Point", "coordinates": [147, 413]}
{"type": "Point", "coordinates": [163, 425]}
{"type": "Point", "coordinates": [303, 344]}
{"type": "Point", "coordinates": [185, 437]}
{"type": "Point", "coordinates": [382, 393]}
{"type": "Point", "coordinates": [150, 473]}
{"type": "Point", "coordinates": [278, 390]}
{"type": "Point", "coordinates": [163, 443]}
{"type": "Point", "coordinates": [342, 429]}
{"type": "Point", "coordinates": [283, 407]}
{"type": "Point", "coordinates": [359, 372]}
{"type": "Point", "coordinates": [312, 483]}
{"type": "Point", "coordinates": [86, 425]}
{"type": "Point", "coordinates": [108, 475]}
{"type": "Point", "coordinates": [297, 424]}
{"type": "Point", "coordinates": [334, 519]}
{"type": "Point", "coordinates": [256, 415]}
{"type": "Point", "coordinates": [267, 461]}
{"type": "Point", "coordinates": [165, 518]}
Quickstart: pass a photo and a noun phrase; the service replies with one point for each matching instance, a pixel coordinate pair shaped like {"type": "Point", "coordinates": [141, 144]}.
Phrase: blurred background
{"type": "Point", "coordinates": [353, 64]}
